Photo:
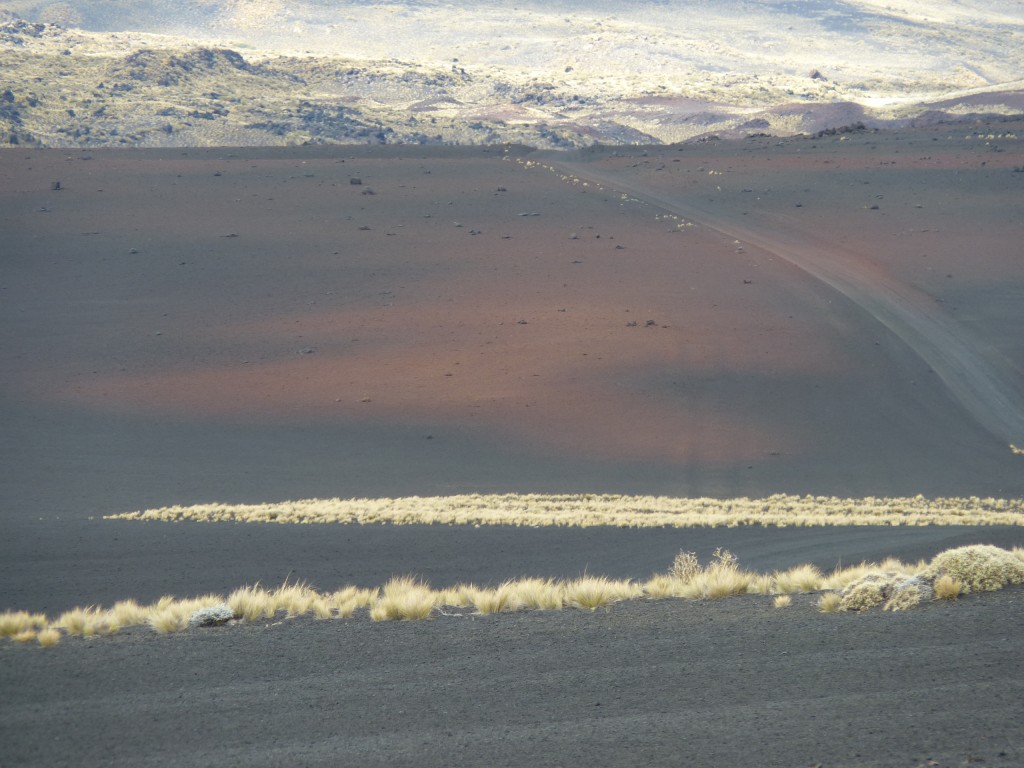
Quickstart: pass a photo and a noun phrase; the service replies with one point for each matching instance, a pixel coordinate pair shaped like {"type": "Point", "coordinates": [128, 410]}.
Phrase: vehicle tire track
{"type": "Point", "coordinates": [985, 383]}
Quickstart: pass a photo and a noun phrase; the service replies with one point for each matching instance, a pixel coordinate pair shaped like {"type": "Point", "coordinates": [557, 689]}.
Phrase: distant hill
{"type": "Point", "coordinates": [552, 74]}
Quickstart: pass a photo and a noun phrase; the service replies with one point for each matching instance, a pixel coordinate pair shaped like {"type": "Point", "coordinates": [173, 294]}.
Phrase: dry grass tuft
{"type": "Point", "coordinates": [403, 598]}
{"type": "Point", "coordinates": [251, 603]}
{"type": "Point", "coordinates": [829, 602]}
{"type": "Point", "coordinates": [593, 592]}
{"type": "Point", "coordinates": [15, 622]}
{"type": "Point", "coordinates": [294, 599]}
{"type": "Point", "coordinates": [127, 613]}
{"type": "Point", "coordinates": [539, 594]}
{"type": "Point", "coordinates": [173, 618]}
{"type": "Point", "coordinates": [459, 596]}
{"type": "Point", "coordinates": [947, 588]}
{"type": "Point", "coordinates": [761, 584]}
{"type": "Point", "coordinates": [782, 601]}
{"type": "Point", "coordinates": [501, 599]}
{"type": "Point", "coordinates": [664, 585]}
{"type": "Point", "coordinates": [25, 636]}
{"type": "Point", "coordinates": [802, 578]}
{"type": "Point", "coordinates": [725, 582]}
{"type": "Point", "coordinates": [721, 578]}
{"type": "Point", "coordinates": [348, 600]}
{"type": "Point", "coordinates": [85, 622]}
{"type": "Point", "coordinates": [48, 637]}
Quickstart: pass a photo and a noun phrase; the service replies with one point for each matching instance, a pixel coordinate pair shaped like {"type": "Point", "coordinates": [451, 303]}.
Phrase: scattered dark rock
{"type": "Point", "coordinates": [851, 128]}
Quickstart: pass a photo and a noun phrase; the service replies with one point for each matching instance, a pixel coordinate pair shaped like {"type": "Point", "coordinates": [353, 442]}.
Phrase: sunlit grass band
{"type": "Point", "coordinates": [588, 510]}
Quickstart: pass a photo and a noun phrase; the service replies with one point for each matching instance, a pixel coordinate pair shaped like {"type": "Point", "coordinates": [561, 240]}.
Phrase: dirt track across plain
{"type": "Point", "coordinates": [981, 380]}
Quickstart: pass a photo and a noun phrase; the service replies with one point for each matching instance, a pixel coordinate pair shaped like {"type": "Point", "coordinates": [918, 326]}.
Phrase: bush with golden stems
{"type": "Point", "coordinates": [685, 566]}
{"type": "Point", "coordinates": [170, 619]}
{"type": "Point", "coordinates": [663, 585]}
{"type": "Point", "coordinates": [86, 622]}
{"type": "Point", "coordinates": [782, 601]}
{"type": "Point", "coordinates": [294, 599]}
{"type": "Point", "coordinates": [721, 578]}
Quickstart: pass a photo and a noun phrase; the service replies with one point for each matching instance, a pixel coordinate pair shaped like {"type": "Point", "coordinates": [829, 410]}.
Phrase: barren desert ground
{"type": "Point", "coordinates": [835, 315]}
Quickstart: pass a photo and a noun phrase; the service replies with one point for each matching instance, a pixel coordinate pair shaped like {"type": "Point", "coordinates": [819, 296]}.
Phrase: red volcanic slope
{"type": "Point", "coordinates": [245, 324]}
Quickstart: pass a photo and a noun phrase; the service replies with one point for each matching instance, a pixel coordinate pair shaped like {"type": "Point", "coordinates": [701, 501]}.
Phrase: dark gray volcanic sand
{"type": "Point", "coordinates": [729, 684]}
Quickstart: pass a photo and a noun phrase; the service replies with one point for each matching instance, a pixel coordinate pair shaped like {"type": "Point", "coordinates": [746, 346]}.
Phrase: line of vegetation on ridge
{"type": "Point", "coordinates": [586, 510]}
{"type": "Point", "coordinates": [891, 584]}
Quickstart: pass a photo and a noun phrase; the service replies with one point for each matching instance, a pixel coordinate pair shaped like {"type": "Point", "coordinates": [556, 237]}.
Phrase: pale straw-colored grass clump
{"type": "Point", "coordinates": [721, 578]}
{"type": "Point", "coordinates": [86, 622]}
{"type": "Point", "coordinates": [459, 596]}
{"type": "Point", "coordinates": [663, 586]}
{"type": "Point", "coordinates": [502, 599]}
{"type": "Point", "coordinates": [782, 601]}
{"type": "Point", "coordinates": [829, 602]}
{"type": "Point", "coordinates": [533, 594]}
{"type": "Point", "coordinates": [403, 598]}
{"type": "Point", "coordinates": [802, 578]}
{"type": "Point", "coordinates": [15, 622]}
{"type": "Point", "coordinates": [48, 637]}
{"type": "Point", "coordinates": [251, 603]}
{"type": "Point", "coordinates": [593, 592]}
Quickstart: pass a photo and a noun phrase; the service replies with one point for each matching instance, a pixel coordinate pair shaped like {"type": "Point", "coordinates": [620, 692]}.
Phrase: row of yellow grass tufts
{"type": "Point", "coordinates": [586, 510]}
{"type": "Point", "coordinates": [892, 584]}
